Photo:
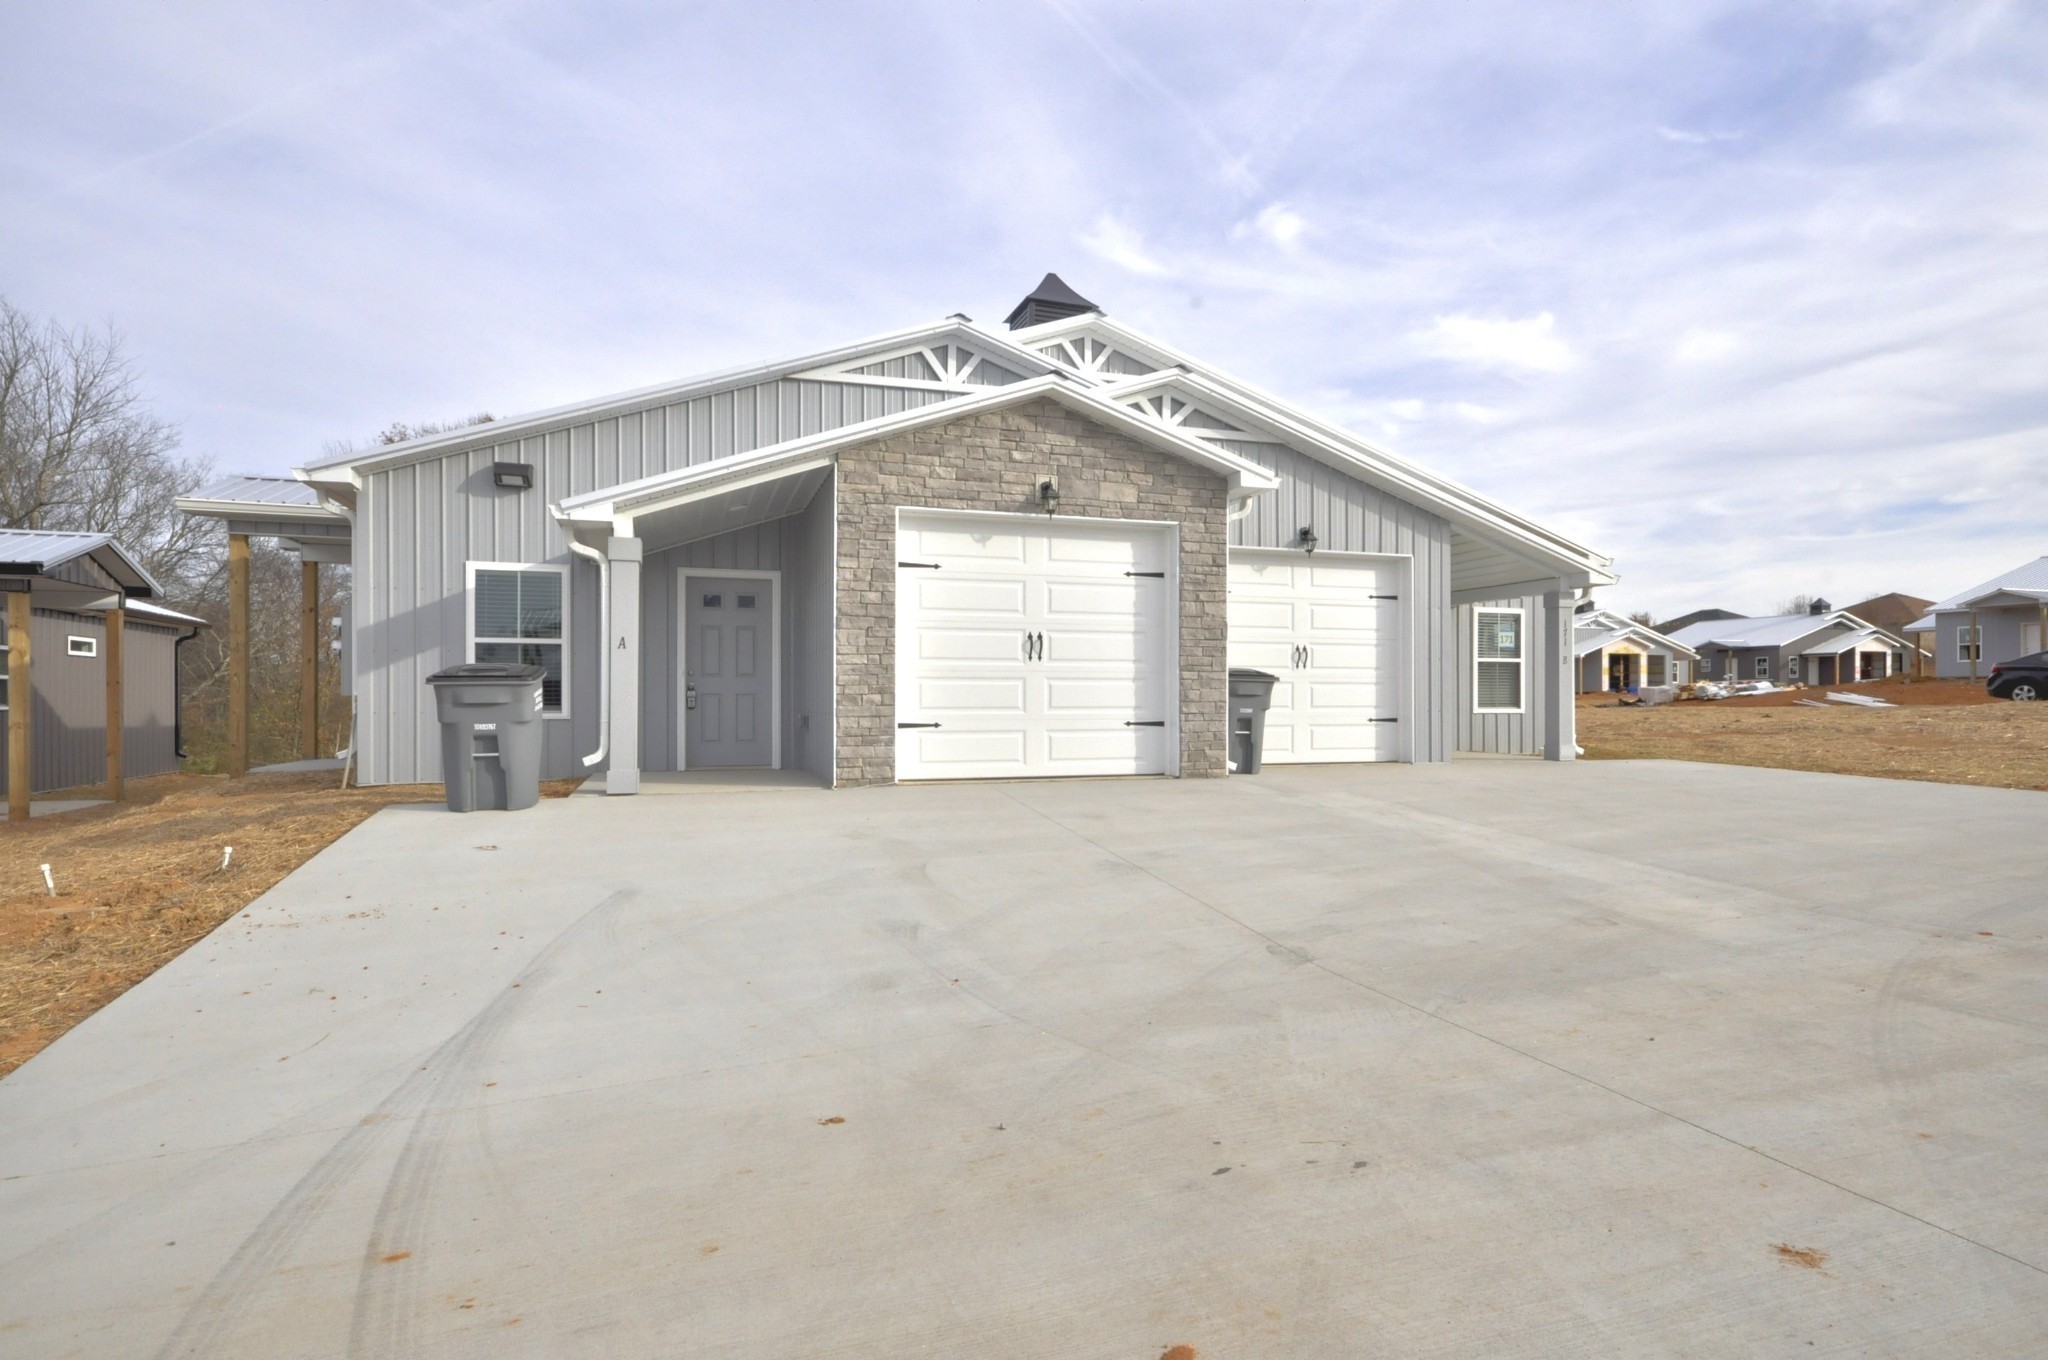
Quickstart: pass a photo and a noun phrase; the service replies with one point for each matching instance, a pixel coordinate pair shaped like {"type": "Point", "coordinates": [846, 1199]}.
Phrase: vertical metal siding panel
{"type": "Point", "coordinates": [657, 662]}
{"type": "Point", "coordinates": [405, 623]}
{"type": "Point", "coordinates": [149, 698]}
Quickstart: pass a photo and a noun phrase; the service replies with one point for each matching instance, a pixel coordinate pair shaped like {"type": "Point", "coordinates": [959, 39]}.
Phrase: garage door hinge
{"type": "Point", "coordinates": [1157, 722]}
{"type": "Point", "coordinates": [901, 725]}
{"type": "Point", "coordinates": [928, 566]}
{"type": "Point", "coordinates": [1160, 574]}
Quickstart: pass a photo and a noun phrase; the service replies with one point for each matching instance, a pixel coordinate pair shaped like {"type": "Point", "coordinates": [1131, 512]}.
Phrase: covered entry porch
{"type": "Point", "coordinates": [717, 600]}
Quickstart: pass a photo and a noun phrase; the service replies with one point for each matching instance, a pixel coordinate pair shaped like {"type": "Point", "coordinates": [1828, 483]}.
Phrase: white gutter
{"type": "Point", "coordinates": [604, 630]}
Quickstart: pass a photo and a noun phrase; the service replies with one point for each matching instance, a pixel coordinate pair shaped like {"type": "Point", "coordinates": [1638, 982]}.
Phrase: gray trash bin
{"type": "Point", "coordinates": [490, 734]}
{"type": "Point", "coordinates": [1251, 694]}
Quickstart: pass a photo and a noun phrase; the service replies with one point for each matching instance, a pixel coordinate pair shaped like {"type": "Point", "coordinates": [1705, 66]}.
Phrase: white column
{"type": "Point", "coordinates": [1561, 709]}
{"type": "Point", "coordinates": [622, 774]}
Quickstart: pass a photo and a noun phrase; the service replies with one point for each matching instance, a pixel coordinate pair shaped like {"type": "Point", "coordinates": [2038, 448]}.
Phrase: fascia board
{"type": "Point", "coordinates": [649, 493]}
{"type": "Point", "coordinates": [212, 509]}
{"type": "Point", "coordinates": [135, 574]}
{"type": "Point", "coordinates": [618, 403]}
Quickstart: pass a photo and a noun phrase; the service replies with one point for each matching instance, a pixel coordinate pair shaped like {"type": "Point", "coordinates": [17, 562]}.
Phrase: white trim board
{"type": "Point", "coordinates": [682, 683]}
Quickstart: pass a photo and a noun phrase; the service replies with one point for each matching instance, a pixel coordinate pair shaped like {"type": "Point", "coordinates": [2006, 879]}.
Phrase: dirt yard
{"type": "Point", "coordinates": [139, 883]}
{"type": "Point", "coordinates": [1949, 732]}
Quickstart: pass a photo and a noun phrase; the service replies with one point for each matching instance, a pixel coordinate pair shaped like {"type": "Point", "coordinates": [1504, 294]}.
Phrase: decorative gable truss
{"type": "Point", "coordinates": [943, 366]}
{"type": "Point", "coordinates": [1092, 358]}
{"type": "Point", "coordinates": [1178, 413]}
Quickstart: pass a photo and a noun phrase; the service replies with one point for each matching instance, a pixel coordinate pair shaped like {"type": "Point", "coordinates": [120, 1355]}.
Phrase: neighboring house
{"type": "Point", "coordinates": [1901, 614]}
{"type": "Point", "coordinates": [1670, 627]}
{"type": "Point", "coordinates": [1822, 647]}
{"type": "Point", "coordinates": [1617, 653]}
{"type": "Point", "coordinates": [64, 589]}
{"type": "Point", "coordinates": [945, 553]}
{"type": "Point", "coordinates": [1996, 621]}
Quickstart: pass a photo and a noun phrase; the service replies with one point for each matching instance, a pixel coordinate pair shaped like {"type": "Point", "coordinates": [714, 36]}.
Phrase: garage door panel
{"type": "Point", "coordinates": [1059, 703]}
{"type": "Point", "coordinates": [939, 697]}
{"type": "Point", "coordinates": [1315, 624]}
{"type": "Point", "coordinates": [967, 595]}
{"type": "Point", "coordinates": [969, 644]}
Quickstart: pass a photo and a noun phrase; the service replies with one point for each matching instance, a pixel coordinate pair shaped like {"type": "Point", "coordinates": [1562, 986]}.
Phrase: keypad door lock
{"type": "Point", "coordinates": [689, 696]}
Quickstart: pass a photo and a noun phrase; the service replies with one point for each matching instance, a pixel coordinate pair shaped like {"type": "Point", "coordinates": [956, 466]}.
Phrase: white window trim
{"type": "Point", "coordinates": [72, 647]}
{"type": "Point", "coordinates": [1522, 633]}
{"type": "Point", "coordinates": [469, 619]}
{"type": "Point", "coordinates": [1762, 667]}
{"type": "Point", "coordinates": [1968, 645]}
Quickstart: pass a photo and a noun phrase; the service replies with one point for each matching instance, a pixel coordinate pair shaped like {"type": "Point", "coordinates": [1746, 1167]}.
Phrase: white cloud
{"type": "Point", "coordinates": [1703, 347]}
{"type": "Point", "coordinates": [1478, 414]}
{"type": "Point", "coordinates": [1276, 222]}
{"type": "Point", "coordinates": [1112, 240]}
{"type": "Point", "coordinates": [1531, 345]}
{"type": "Point", "coordinates": [1408, 408]}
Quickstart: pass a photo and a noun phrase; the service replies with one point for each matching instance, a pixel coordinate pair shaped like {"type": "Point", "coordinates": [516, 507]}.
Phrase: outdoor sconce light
{"type": "Point", "coordinates": [512, 476]}
{"type": "Point", "coordinates": [1049, 494]}
{"type": "Point", "coordinates": [1308, 539]}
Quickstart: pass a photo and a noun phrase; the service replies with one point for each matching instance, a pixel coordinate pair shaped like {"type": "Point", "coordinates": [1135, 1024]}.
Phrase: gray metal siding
{"type": "Point", "coordinates": [1350, 516]}
{"type": "Point", "coordinates": [417, 525]}
{"type": "Point", "coordinates": [2002, 639]}
{"type": "Point", "coordinates": [1508, 733]}
{"type": "Point", "coordinates": [68, 720]}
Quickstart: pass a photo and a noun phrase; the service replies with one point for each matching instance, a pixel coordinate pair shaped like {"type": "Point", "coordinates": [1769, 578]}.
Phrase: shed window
{"type": "Point", "coordinates": [75, 645]}
{"type": "Point", "coordinates": [519, 614]}
{"type": "Point", "coordinates": [1497, 660]}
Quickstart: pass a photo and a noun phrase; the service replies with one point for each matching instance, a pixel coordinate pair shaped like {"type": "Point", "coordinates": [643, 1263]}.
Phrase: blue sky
{"type": "Point", "coordinates": [1750, 296]}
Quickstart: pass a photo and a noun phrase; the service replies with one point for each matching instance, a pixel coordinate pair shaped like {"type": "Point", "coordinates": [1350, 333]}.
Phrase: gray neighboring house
{"type": "Point", "coordinates": [1822, 647]}
{"type": "Point", "coordinates": [950, 552]}
{"type": "Point", "coordinates": [70, 582]}
{"type": "Point", "coordinates": [2004, 617]}
{"type": "Point", "coordinates": [1618, 654]}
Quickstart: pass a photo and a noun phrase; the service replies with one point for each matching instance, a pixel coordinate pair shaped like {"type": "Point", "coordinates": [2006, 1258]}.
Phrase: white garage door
{"type": "Point", "coordinates": [1329, 627]}
{"type": "Point", "coordinates": [1032, 647]}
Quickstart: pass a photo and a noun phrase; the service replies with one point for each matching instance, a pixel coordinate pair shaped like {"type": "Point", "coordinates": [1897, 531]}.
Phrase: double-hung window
{"type": "Point", "coordinates": [1497, 660]}
{"type": "Point", "coordinates": [520, 614]}
{"type": "Point", "coordinates": [1763, 668]}
{"type": "Point", "coordinates": [1967, 642]}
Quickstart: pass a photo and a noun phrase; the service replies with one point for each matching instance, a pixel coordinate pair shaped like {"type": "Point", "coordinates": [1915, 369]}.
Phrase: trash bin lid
{"type": "Point", "coordinates": [1244, 673]}
{"type": "Point", "coordinates": [488, 672]}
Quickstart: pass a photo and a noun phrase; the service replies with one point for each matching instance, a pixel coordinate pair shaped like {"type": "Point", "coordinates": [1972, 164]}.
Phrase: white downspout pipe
{"type": "Point", "coordinates": [604, 655]}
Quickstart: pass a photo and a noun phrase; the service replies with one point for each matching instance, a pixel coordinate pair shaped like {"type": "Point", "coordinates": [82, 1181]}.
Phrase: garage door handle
{"type": "Point", "coordinates": [1368, 720]}
{"type": "Point", "coordinates": [1157, 722]}
{"type": "Point", "coordinates": [902, 725]}
{"type": "Point", "coordinates": [1158, 574]}
{"type": "Point", "coordinates": [1383, 597]}
{"type": "Point", "coordinates": [928, 566]}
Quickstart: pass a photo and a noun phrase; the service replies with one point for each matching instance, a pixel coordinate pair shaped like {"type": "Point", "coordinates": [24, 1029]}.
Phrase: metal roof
{"type": "Point", "coordinates": [2031, 577]}
{"type": "Point", "coordinates": [145, 610]}
{"type": "Point", "coordinates": [1776, 630]}
{"type": "Point", "coordinates": [43, 551]}
{"type": "Point", "coordinates": [1599, 627]}
{"type": "Point", "coordinates": [260, 491]}
{"type": "Point", "coordinates": [1847, 642]}
{"type": "Point", "coordinates": [1051, 300]}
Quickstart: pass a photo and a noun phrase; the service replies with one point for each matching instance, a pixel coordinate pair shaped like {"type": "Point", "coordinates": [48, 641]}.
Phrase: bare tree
{"type": "Point", "coordinates": [1798, 604]}
{"type": "Point", "coordinates": [1644, 617]}
{"type": "Point", "coordinates": [79, 450]}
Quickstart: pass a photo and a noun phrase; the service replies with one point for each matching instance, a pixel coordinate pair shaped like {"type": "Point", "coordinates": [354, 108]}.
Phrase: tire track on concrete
{"type": "Point", "coordinates": [238, 1285]}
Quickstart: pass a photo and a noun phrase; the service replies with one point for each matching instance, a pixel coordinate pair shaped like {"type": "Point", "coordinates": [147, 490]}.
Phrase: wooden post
{"type": "Point", "coordinates": [238, 654]}
{"type": "Point", "coordinates": [117, 712]}
{"type": "Point", "coordinates": [309, 660]}
{"type": "Point", "coordinates": [1976, 644]}
{"type": "Point", "coordinates": [21, 702]}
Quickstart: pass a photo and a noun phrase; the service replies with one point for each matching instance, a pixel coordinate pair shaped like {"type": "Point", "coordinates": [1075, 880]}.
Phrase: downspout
{"type": "Point", "coordinates": [604, 632]}
{"type": "Point", "coordinates": [178, 695]}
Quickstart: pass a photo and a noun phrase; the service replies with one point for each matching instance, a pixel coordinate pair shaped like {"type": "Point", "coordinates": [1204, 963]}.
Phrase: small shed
{"type": "Point", "coordinates": [90, 689]}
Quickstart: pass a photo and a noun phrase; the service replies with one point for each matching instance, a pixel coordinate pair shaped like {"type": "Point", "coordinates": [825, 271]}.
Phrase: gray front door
{"type": "Point", "coordinates": [727, 655]}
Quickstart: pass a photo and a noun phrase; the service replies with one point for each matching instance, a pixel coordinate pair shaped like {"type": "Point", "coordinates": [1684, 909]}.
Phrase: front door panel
{"type": "Point", "coordinates": [727, 654]}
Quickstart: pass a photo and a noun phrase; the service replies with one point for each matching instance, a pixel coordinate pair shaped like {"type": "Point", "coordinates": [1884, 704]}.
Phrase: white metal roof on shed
{"type": "Point", "coordinates": [156, 613]}
{"type": "Point", "coordinates": [260, 491]}
{"type": "Point", "coordinates": [1773, 630]}
{"type": "Point", "coordinates": [45, 550]}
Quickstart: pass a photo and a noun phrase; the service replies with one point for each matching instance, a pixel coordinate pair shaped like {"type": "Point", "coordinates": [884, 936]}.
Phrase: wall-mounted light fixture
{"type": "Point", "coordinates": [1049, 494]}
{"type": "Point", "coordinates": [512, 476]}
{"type": "Point", "coordinates": [1307, 536]}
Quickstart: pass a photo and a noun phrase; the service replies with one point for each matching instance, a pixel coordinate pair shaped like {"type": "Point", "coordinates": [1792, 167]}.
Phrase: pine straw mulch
{"type": "Point", "coordinates": [141, 882]}
{"type": "Point", "coordinates": [2002, 744]}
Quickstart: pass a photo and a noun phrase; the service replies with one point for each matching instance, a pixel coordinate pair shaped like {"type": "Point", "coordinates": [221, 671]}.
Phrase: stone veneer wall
{"type": "Point", "coordinates": [994, 461]}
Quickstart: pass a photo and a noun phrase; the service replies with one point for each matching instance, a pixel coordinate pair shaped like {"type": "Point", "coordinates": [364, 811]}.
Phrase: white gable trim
{"type": "Point", "coordinates": [616, 506]}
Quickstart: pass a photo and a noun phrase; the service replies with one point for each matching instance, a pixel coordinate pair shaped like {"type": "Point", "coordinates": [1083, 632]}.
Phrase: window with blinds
{"type": "Point", "coordinates": [519, 615]}
{"type": "Point", "coordinates": [1497, 660]}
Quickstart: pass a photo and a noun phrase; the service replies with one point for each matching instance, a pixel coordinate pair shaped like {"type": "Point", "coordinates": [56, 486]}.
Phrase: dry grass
{"type": "Point", "coordinates": [139, 883]}
{"type": "Point", "coordinates": [1960, 742]}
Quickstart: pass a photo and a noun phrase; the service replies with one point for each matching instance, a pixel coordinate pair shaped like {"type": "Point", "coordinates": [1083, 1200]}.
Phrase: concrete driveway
{"type": "Point", "coordinates": [1497, 1059]}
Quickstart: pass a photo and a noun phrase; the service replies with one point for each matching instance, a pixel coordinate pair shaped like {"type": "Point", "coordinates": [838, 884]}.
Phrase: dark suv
{"type": "Point", "coordinates": [2024, 677]}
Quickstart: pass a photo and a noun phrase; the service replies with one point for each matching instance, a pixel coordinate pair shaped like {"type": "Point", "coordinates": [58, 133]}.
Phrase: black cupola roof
{"type": "Point", "coordinates": [1051, 300]}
